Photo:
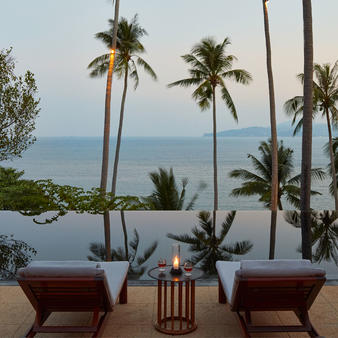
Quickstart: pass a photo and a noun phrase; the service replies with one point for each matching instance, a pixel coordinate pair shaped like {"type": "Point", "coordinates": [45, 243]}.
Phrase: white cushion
{"type": "Point", "coordinates": [226, 272]}
{"type": "Point", "coordinates": [61, 269]}
{"type": "Point", "coordinates": [115, 273]}
{"type": "Point", "coordinates": [279, 268]}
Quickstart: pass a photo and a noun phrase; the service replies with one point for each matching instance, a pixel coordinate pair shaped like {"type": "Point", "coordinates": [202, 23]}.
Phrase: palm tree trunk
{"type": "Point", "coordinates": [106, 222]}
{"type": "Point", "coordinates": [273, 227]}
{"type": "Point", "coordinates": [214, 159]}
{"type": "Point", "coordinates": [274, 152]}
{"type": "Point", "coordinates": [106, 132]}
{"type": "Point", "coordinates": [118, 141]}
{"type": "Point", "coordinates": [333, 169]}
{"type": "Point", "coordinates": [215, 148]}
{"type": "Point", "coordinates": [125, 235]}
{"type": "Point", "coordinates": [307, 131]}
{"type": "Point", "coordinates": [106, 129]}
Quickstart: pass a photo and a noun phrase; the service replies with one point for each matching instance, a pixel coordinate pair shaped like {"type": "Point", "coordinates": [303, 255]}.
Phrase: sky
{"type": "Point", "coordinates": [55, 40]}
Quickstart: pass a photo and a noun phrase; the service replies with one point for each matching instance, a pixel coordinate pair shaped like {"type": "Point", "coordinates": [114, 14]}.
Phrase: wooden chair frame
{"type": "Point", "coordinates": [274, 294]}
{"type": "Point", "coordinates": [87, 294]}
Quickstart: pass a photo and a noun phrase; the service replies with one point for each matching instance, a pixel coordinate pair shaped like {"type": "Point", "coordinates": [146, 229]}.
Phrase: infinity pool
{"type": "Point", "coordinates": [248, 232]}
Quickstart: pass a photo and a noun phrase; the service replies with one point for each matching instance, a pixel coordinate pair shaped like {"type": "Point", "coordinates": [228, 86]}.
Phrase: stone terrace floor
{"type": "Point", "coordinates": [135, 318]}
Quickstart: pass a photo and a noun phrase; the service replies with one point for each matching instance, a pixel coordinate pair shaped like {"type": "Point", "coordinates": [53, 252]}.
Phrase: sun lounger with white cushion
{"type": "Point", "coordinates": [73, 286]}
{"type": "Point", "coordinates": [270, 285]}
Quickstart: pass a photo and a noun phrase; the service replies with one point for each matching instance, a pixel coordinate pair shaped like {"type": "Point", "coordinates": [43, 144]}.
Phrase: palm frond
{"type": "Point", "coordinates": [226, 97]}
{"type": "Point", "coordinates": [141, 62]}
{"type": "Point", "coordinates": [147, 253]}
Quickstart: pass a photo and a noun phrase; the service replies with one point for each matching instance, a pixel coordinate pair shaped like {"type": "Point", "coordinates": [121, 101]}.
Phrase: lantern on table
{"type": "Point", "coordinates": [176, 259]}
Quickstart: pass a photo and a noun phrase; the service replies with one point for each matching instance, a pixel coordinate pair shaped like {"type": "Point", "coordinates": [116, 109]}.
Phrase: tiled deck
{"type": "Point", "coordinates": [135, 318]}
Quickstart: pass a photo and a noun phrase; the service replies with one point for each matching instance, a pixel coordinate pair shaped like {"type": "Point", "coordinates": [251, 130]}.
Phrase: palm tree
{"type": "Point", "coordinates": [127, 60]}
{"type": "Point", "coordinates": [259, 183]}
{"type": "Point", "coordinates": [324, 100]}
{"type": "Point", "coordinates": [210, 66]}
{"type": "Point", "coordinates": [111, 45]}
{"type": "Point", "coordinates": [274, 155]}
{"type": "Point", "coordinates": [209, 248]}
{"type": "Point", "coordinates": [128, 253]}
{"type": "Point", "coordinates": [335, 158]}
{"type": "Point", "coordinates": [273, 125]}
{"type": "Point", "coordinates": [324, 233]}
{"type": "Point", "coordinates": [305, 197]}
{"type": "Point", "coordinates": [166, 194]}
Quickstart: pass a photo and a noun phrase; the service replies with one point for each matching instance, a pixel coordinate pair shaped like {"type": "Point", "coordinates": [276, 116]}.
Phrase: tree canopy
{"type": "Point", "coordinates": [19, 108]}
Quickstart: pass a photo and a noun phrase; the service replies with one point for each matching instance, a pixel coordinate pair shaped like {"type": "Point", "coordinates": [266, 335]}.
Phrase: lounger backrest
{"type": "Point", "coordinates": [276, 285]}
{"type": "Point", "coordinates": [65, 287]}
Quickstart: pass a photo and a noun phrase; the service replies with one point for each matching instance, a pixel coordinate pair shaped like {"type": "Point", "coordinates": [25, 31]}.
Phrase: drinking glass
{"type": "Point", "coordinates": [187, 268]}
{"type": "Point", "coordinates": [162, 264]}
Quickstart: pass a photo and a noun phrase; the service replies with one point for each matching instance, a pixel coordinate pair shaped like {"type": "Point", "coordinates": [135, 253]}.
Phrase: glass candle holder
{"type": "Point", "coordinates": [176, 259]}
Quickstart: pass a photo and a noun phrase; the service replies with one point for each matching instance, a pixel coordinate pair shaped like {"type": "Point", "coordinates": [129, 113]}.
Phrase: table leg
{"type": "Point", "coordinates": [165, 304]}
{"type": "Point", "coordinates": [192, 302]}
{"type": "Point", "coordinates": [180, 300]}
{"type": "Point", "coordinates": [187, 316]}
{"type": "Point", "coordinates": [159, 303]}
{"type": "Point", "coordinates": [172, 304]}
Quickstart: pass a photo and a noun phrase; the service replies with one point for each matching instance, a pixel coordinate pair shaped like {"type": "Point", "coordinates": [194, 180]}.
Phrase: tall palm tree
{"type": "Point", "coordinates": [305, 197]}
{"type": "Point", "coordinates": [209, 248]}
{"type": "Point", "coordinates": [129, 47]}
{"type": "Point", "coordinates": [111, 45]}
{"type": "Point", "coordinates": [324, 230]}
{"type": "Point", "coordinates": [325, 98]}
{"type": "Point", "coordinates": [273, 125]}
{"type": "Point", "coordinates": [210, 67]}
{"type": "Point", "coordinates": [259, 183]}
{"type": "Point", "coordinates": [166, 194]}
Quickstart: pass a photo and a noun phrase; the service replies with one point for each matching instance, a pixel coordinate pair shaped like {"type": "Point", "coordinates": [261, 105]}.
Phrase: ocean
{"type": "Point", "coordinates": [77, 161]}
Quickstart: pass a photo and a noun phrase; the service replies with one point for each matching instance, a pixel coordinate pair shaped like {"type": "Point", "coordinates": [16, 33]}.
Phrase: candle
{"type": "Point", "coordinates": [176, 263]}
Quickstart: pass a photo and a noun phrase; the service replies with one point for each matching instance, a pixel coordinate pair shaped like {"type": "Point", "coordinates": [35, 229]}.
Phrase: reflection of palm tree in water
{"type": "Point", "coordinates": [324, 230]}
{"type": "Point", "coordinates": [208, 246]}
{"type": "Point", "coordinates": [128, 253]}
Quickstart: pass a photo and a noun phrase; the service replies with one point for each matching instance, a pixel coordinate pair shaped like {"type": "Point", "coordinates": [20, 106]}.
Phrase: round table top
{"type": "Point", "coordinates": [168, 277]}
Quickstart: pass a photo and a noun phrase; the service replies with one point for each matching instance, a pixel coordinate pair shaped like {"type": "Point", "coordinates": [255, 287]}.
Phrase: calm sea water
{"type": "Point", "coordinates": [77, 161]}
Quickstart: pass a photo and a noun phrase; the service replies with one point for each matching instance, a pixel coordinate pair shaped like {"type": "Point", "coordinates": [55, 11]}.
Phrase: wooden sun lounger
{"type": "Point", "coordinates": [91, 292]}
{"type": "Point", "coordinates": [270, 292]}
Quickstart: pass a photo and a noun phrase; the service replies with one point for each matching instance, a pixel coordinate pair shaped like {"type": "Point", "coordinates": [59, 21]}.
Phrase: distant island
{"type": "Point", "coordinates": [283, 129]}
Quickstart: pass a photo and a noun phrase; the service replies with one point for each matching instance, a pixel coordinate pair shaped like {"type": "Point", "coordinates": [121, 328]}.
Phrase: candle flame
{"type": "Point", "coordinates": [176, 262]}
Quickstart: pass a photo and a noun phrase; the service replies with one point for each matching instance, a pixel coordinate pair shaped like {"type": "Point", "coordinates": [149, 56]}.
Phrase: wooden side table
{"type": "Point", "coordinates": [175, 321]}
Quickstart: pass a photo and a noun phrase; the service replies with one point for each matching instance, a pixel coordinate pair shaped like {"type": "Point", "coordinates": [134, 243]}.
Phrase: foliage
{"type": "Point", "coordinates": [14, 254]}
{"type": "Point", "coordinates": [33, 198]}
{"type": "Point", "coordinates": [127, 47]}
{"type": "Point", "coordinates": [210, 66]}
{"type": "Point", "coordinates": [166, 194]}
{"type": "Point", "coordinates": [18, 108]}
{"type": "Point", "coordinates": [325, 95]}
{"type": "Point", "coordinates": [137, 267]}
{"type": "Point", "coordinates": [207, 246]}
{"type": "Point", "coordinates": [259, 183]}
{"type": "Point", "coordinates": [324, 229]}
